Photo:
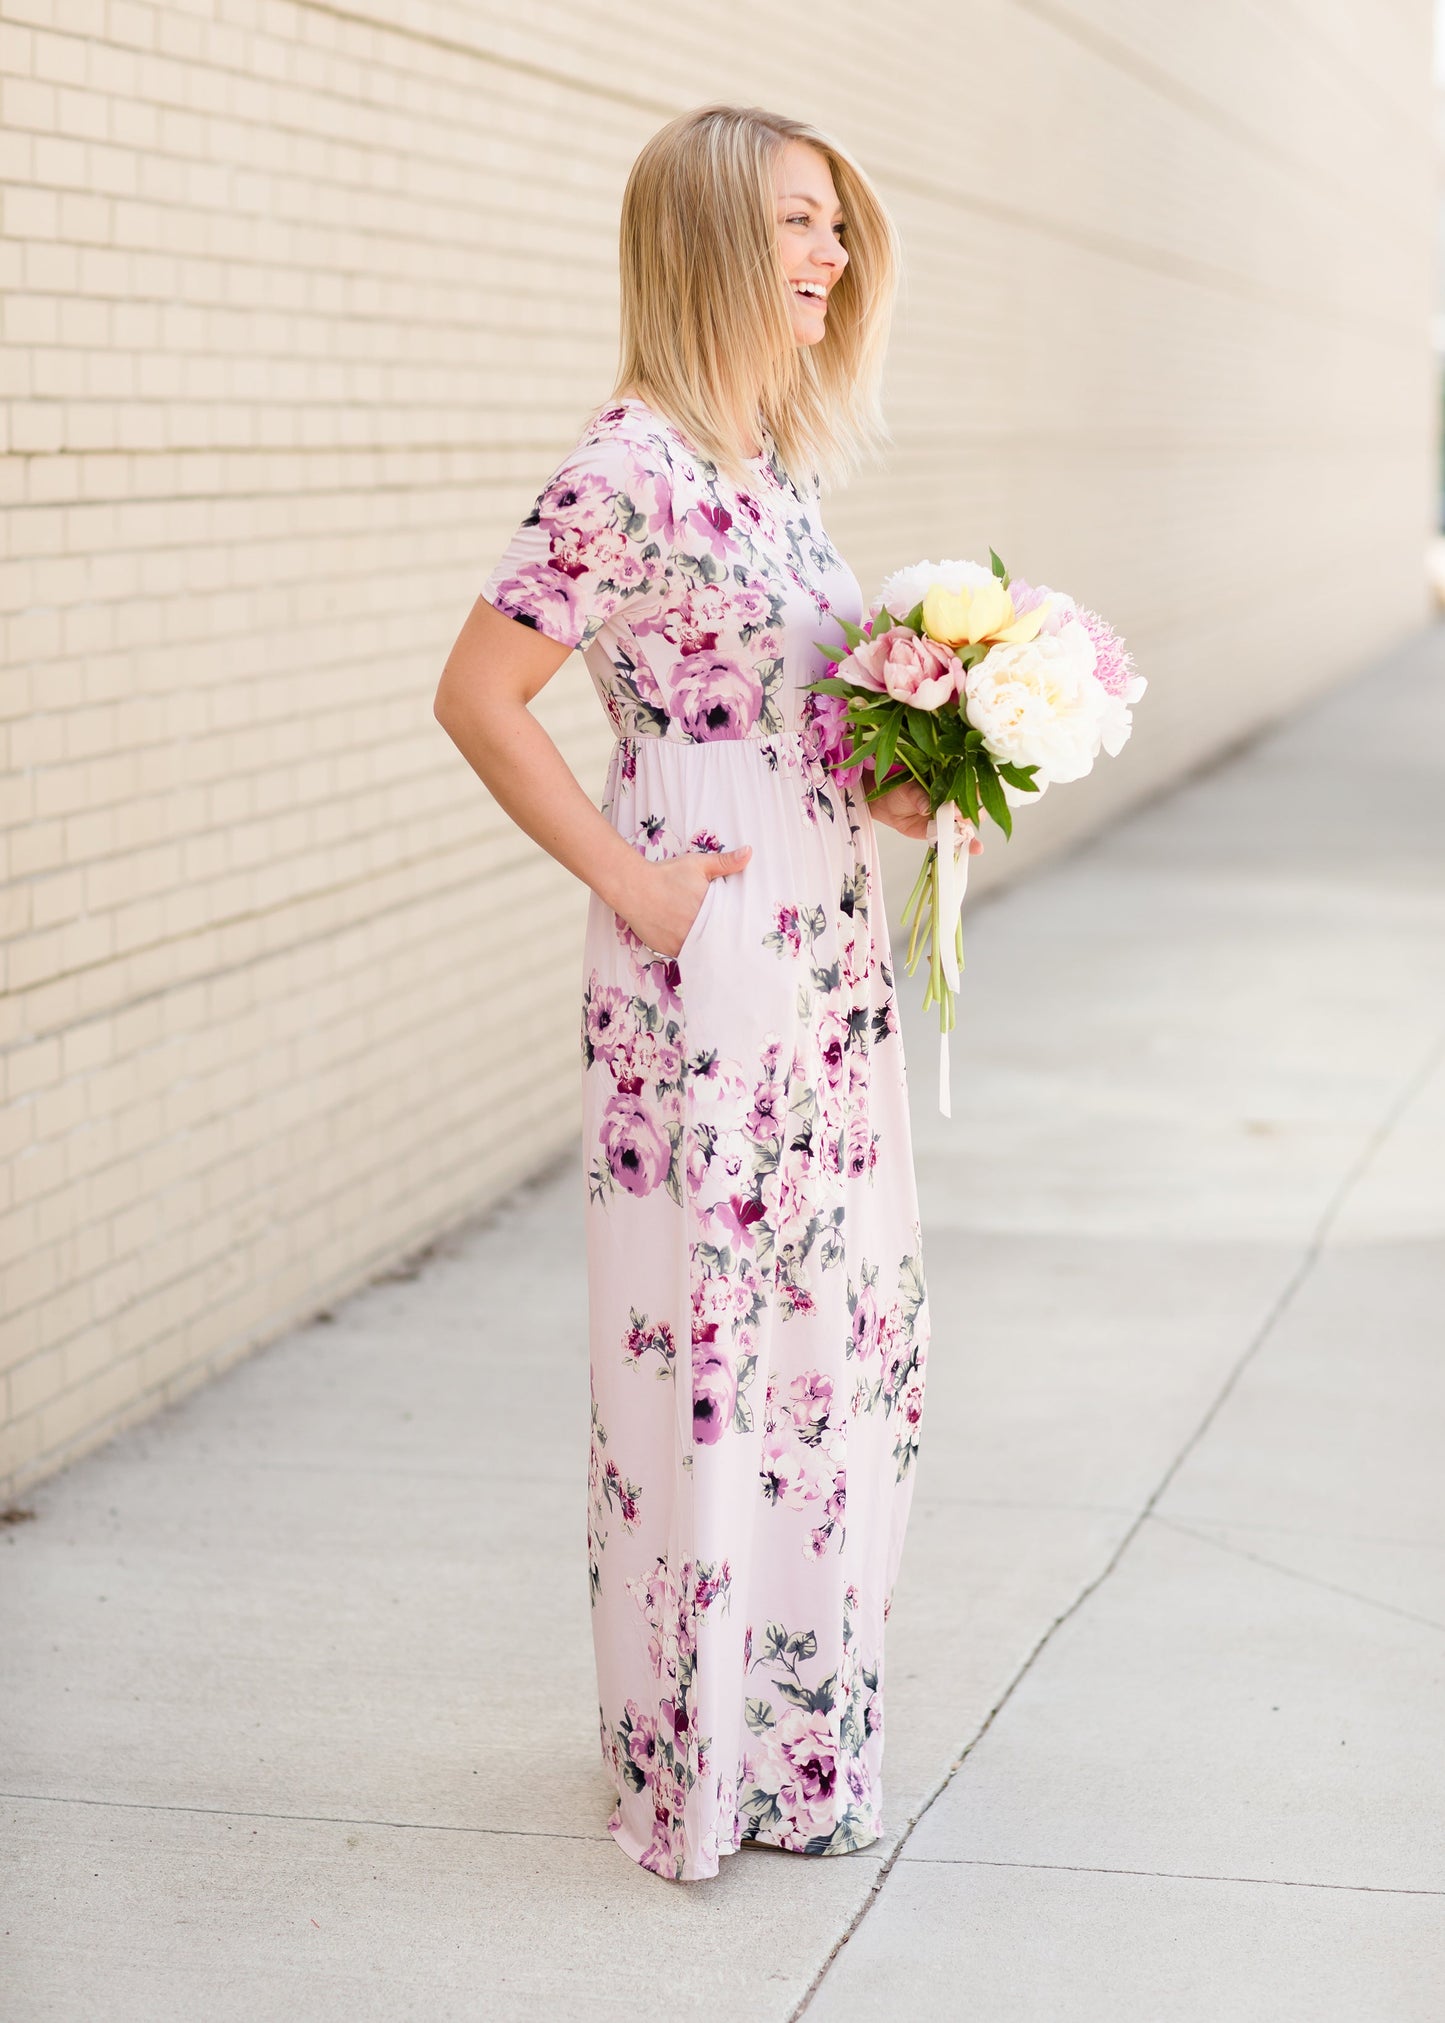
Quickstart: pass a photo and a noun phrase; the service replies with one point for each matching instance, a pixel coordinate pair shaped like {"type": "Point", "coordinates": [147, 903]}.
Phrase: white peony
{"type": "Point", "coordinates": [907, 587]}
{"type": "Point", "coordinates": [1038, 704]}
{"type": "Point", "coordinates": [1118, 717]}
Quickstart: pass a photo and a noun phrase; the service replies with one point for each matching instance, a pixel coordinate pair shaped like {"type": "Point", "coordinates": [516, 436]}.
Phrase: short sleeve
{"type": "Point", "coordinates": [596, 545]}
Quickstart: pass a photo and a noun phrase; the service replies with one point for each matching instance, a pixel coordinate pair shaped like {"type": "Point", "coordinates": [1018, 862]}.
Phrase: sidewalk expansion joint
{"type": "Point", "coordinates": [1280, 1882]}
{"type": "Point", "coordinates": [1294, 1573]}
{"type": "Point", "coordinates": [291, 1818]}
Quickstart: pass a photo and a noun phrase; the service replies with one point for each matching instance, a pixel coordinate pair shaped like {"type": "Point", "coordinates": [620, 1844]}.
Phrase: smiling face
{"type": "Point", "coordinates": [810, 236]}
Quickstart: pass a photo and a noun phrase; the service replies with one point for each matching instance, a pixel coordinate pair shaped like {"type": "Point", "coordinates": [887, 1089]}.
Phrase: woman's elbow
{"type": "Point", "coordinates": [449, 703]}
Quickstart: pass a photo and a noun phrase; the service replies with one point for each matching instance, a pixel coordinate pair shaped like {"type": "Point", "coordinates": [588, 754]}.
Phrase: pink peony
{"type": "Point", "coordinates": [808, 1750]}
{"type": "Point", "coordinates": [637, 1153]}
{"type": "Point", "coordinates": [713, 697]}
{"type": "Point", "coordinates": [906, 666]}
{"type": "Point", "coordinates": [714, 1395]}
{"type": "Point", "coordinates": [1113, 664]}
{"type": "Point", "coordinates": [825, 734]}
{"type": "Point", "coordinates": [609, 1022]}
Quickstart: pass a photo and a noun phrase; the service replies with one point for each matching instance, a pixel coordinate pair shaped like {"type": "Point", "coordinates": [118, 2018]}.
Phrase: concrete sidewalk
{"type": "Point", "coordinates": [299, 1718]}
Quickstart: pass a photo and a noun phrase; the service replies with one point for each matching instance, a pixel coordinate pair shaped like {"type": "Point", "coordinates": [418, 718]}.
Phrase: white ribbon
{"type": "Point", "coordinates": [949, 832]}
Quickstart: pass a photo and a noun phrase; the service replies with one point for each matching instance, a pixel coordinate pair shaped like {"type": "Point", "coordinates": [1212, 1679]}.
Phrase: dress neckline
{"type": "Point", "coordinates": [761, 462]}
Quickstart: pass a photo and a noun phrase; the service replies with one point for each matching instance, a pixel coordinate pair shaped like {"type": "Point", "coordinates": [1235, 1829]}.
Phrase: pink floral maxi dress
{"type": "Point", "coordinates": [758, 1321]}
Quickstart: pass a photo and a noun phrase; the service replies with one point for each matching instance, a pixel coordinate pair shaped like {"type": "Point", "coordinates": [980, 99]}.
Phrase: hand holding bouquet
{"type": "Point", "coordinates": [985, 692]}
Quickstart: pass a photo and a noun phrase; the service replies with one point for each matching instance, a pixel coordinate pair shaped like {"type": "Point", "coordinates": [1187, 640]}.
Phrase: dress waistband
{"type": "Point", "coordinates": [793, 736]}
{"type": "Point", "coordinates": [627, 744]}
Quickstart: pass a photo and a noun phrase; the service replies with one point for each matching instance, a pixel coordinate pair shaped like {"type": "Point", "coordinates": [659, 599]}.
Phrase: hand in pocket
{"type": "Point", "coordinates": [672, 895]}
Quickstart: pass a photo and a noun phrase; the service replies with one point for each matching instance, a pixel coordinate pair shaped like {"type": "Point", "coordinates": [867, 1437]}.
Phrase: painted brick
{"type": "Point", "coordinates": [293, 333]}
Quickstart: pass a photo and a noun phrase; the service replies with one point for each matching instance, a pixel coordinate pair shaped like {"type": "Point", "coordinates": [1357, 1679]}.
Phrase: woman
{"type": "Point", "coordinates": [758, 1322]}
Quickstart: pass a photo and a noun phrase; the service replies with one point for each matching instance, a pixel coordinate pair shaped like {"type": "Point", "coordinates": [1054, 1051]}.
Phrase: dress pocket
{"type": "Point", "coordinates": [698, 920]}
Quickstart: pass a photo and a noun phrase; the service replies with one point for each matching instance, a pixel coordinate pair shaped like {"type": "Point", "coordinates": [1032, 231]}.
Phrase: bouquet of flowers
{"type": "Point", "coordinates": [986, 691]}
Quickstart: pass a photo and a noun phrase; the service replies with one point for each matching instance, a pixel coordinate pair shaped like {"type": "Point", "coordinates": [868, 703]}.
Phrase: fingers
{"type": "Point", "coordinates": [722, 863]}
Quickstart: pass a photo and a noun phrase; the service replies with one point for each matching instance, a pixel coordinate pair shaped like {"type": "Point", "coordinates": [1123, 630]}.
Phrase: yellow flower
{"type": "Point", "coordinates": [974, 614]}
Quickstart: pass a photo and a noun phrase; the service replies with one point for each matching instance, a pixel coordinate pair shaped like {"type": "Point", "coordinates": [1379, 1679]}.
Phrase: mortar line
{"type": "Point", "coordinates": [1356, 1170]}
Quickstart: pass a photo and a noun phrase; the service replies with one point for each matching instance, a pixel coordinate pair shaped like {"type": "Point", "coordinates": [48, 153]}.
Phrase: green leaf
{"type": "Point", "coordinates": [833, 684]}
{"type": "Point", "coordinates": [1017, 776]}
{"type": "Point", "coordinates": [991, 795]}
{"type": "Point", "coordinates": [923, 728]}
{"type": "Point", "coordinates": [914, 620]}
{"type": "Point", "coordinates": [998, 568]}
{"type": "Point", "coordinates": [854, 634]}
{"type": "Point", "coordinates": [886, 746]}
{"type": "Point", "coordinates": [883, 622]}
{"type": "Point", "coordinates": [758, 1715]}
{"type": "Point", "coordinates": [970, 790]}
{"type": "Point", "coordinates": [833, 653]}
{"type": "Point", "coordinates": [825, 1697]}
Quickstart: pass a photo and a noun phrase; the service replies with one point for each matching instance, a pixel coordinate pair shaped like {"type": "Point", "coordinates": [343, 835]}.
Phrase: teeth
{"type": "Point", "coordinates": [809, 288]}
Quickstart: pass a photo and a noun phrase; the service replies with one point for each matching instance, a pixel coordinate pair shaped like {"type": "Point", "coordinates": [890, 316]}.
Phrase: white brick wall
{"type": "Point", "coordinates": [301, 303]}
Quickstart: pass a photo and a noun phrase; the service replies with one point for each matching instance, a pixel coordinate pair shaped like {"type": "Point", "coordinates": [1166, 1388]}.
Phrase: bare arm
{"type": "Point", "coordinates": [492, 674]}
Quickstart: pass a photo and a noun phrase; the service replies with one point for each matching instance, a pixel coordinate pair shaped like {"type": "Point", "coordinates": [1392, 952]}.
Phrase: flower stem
{"type": "Point", "coordinates": [935, 942]}
{"type": "Point", "coordinates": [913, 907]}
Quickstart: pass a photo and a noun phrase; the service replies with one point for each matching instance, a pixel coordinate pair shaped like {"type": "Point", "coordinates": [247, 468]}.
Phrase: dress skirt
{"type": "Point", "coordinates": [758, 1317]}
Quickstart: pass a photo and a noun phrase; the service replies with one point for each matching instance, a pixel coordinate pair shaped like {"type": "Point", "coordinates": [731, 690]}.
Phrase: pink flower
{"type": "Point", "coordinates": [810, 1398]}
{"type": "Point", "coordinates": [737, 1215]}
{"type": "Point", "coordinates": [714, 1396]}
{"type": "Point", "coordinates": [540, 596]}
{"type": "Point", "coordinates": [712, 523]}
{"type": "Point", "coordinates": [809, 1756]}
{"type": "Point", "coordinates": [861, 1147]}
{"type": "Point", "coordinates": [608, 1019]}
{"type": "Point", "coordinates": [714, 697]}
{"type": "Point", "coordinates": [575, 504]}
{"type": "Point", "coordinates": [865, 1323]}
{"type": "Point", "coordinates": [1113, 664]}
{"type": "Point", "coordinates": [906, 666]}
{"type": "Point", "coordinates": [765, 1119]}
{"type": "Point", "coordinates": [785, 1474]}
{"type": "Point", "coordinates": [825, 733]}
{"type": "Point", "coordinates": [832, 1044]}
{"type": "Point", "coordinates": [642, 1743]}
{"type": "Point", "coordinates": [636, 1151]}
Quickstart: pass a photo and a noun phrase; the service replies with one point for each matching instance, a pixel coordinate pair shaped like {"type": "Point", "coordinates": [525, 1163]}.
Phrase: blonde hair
{"type": "Point", "coordinates": [707, 336]}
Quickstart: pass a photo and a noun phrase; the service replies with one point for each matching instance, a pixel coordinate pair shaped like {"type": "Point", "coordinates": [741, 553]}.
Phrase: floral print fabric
{"type": "Point", "coordinates": [757, 1312]}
